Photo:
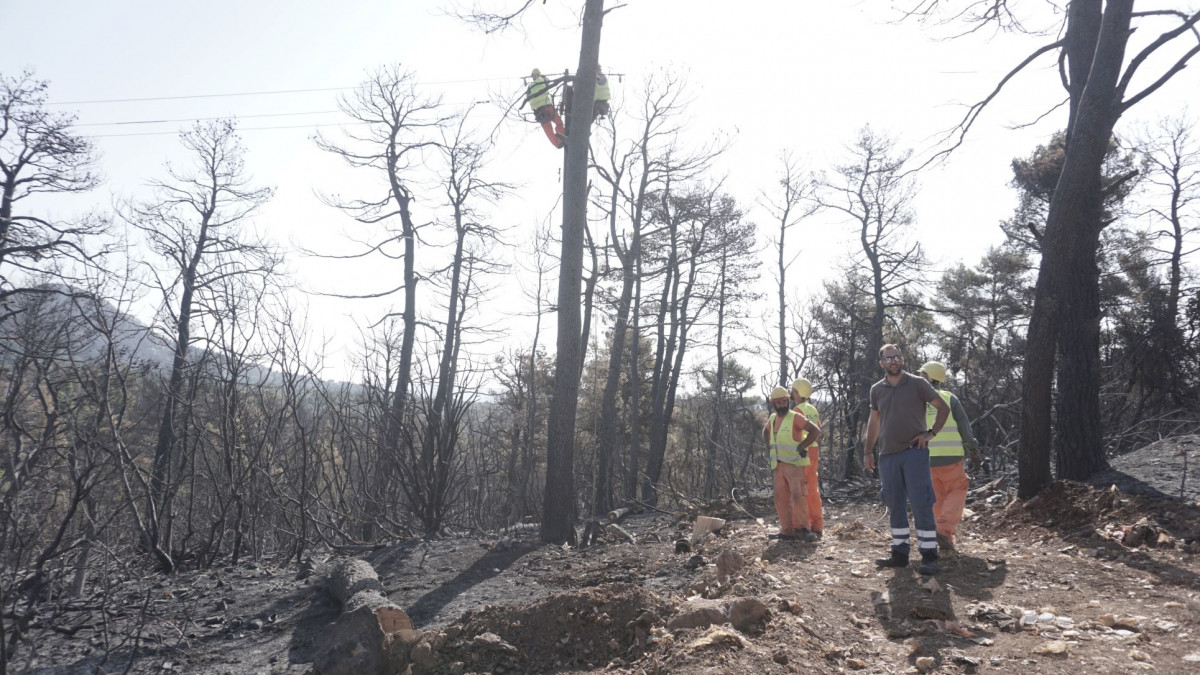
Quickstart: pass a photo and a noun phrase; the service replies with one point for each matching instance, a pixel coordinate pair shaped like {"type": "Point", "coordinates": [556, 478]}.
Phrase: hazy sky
{"type": "Point", "coordinates": [791, 74]}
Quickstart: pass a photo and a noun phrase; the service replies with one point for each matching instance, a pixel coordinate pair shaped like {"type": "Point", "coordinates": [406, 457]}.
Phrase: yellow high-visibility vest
{"type": "Point", "coordinates": [784, 448]}
{"type": "Point", "coordinates": [539, 94]}
{"type": "Point", "coordinates": [810, 411]}
{"type": "Point", "coordinates": [602, 91]}
{"type": "Point", "coordinates": [948, 442]}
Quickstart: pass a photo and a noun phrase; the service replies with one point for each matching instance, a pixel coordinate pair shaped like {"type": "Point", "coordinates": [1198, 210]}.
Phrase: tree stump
{"type": "Point", "coordinates": [358, 640]}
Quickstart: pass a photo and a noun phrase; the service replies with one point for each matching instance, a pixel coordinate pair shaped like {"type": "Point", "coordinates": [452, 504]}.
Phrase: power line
{"type": "Point", "coordinates": [234, 116]}
{"type": "Point", "coordinates": [257, 93]}
{"type": "Point", "coordinates": [240, 129]}
{"type": "Point", "coordinates": [177, 98]}
{"type": "Point", "coordinates": [205, 119]}
{"type": "Point", "coordinates": [291, 126]}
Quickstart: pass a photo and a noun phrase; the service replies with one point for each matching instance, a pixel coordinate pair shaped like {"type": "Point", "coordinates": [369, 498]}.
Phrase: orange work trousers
{"type": "Point", "coordinates": [813, 479]}
{"type": "Point", "coordinates": [791, 497]}
{"type": "Point", "coordinates": [547, 115]}
{"type": "Point", "coordinates": [950, 490]}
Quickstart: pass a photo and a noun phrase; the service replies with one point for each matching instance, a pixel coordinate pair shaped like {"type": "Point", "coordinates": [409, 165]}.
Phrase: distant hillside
{"type": "Point", "coordinates": [59, 320]}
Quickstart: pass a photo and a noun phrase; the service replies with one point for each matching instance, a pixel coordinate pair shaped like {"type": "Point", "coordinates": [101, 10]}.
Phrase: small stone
{"type": "Point", "coordinates": [964, 660]}
{"type": "Point", "coordinates": [729, 562]}
{"type": "Point", "coordinates": [780, 657]}
{"type": "Point", "coordinates": [744, 613]}
{"type": "Point", "coordinates": [1139, 655]}
{"type": "Point", "coordinates": [493, 642]}
{"type": "Point", "coordinates": [1055, 647]}
{"type": "Point", "coordinates": [1128, 623]}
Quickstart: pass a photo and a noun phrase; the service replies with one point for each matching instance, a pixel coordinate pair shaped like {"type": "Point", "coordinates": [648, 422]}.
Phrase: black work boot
{"type": "Point", "coordinates": [929, 562]}
{"type": "Point", "coordinates": [897, 559]}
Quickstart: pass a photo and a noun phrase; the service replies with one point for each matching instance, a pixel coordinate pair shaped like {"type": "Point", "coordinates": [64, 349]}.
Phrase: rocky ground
{"type": "Point", "coordinates": [1102, 578]}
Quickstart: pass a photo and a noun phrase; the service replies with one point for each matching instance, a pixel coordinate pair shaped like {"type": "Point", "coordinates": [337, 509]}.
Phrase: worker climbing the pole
{"type": "Point", "coordinates": [603, 94]}
{"type": "Point", "coordinates": [542, 104]}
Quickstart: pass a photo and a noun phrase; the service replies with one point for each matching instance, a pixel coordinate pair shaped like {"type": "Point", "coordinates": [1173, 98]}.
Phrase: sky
{"type": "Point", "coordinates": [770, 76]}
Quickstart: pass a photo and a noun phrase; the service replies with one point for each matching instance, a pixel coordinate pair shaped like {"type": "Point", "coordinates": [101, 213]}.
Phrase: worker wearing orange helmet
{"type": "Point", "coordinates": [544, 113]}
{"type": "Point", "coordinates": [788, 434]}
{"type": "Point", "coordinates": [946, 454]}
{"type": "Point", "coordinates": [801, 392]}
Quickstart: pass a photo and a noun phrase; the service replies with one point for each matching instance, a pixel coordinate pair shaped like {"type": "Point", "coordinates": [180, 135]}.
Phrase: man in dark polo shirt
{"type": "Point", "coordinates": [898, 416]}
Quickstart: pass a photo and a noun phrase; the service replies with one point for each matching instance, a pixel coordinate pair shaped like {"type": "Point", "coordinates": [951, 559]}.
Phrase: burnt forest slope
{"type": "Point", "coordinates": [1101, 578]}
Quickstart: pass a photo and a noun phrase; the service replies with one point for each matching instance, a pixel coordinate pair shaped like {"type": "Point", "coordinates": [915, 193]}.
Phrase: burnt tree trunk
{"type": "Point", "coordinates": [1095, 46]}
{"type": "Point", "coordinates": [1078, 442]}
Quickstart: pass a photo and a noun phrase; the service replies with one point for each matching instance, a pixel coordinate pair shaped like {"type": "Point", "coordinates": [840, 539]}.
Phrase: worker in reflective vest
{"type": "Point", "coordinates": [542, 104]}
{"type": "Point", "coordinates": [787, 434]}
{"type": "Point", "coordinates": [603, 94]}
{"type": "Point", "coordinates": [946, 454]}
{"type": "Point", "coordinates": [801, 392]}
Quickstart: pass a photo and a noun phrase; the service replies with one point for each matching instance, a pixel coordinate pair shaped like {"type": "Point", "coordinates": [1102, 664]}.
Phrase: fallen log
{"type": "Point", "coordinates": [616, 515]}
{"type": "Point", "coordinates": [357, 641]}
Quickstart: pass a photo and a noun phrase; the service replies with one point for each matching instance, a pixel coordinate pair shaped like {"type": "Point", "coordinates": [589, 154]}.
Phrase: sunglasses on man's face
{"type": "Point", "coordinates": [893, 357]}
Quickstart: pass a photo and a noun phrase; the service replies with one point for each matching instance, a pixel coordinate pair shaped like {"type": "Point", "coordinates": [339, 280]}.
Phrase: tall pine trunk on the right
{"type": "Point", "coordinates": [1063, 310]}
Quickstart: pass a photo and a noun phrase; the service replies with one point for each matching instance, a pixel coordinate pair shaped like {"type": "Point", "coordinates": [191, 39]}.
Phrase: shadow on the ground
{"type": "Point", "coordinates": [971, 577]}
{"type": "Point", "coordinates": [917, 616]}
{"type": "Point", "coordinates": [491, 564]}
{"type": "Point", "coordinates": [778, 551]}
{"type": "Point", "coordinates": [1129, 484]}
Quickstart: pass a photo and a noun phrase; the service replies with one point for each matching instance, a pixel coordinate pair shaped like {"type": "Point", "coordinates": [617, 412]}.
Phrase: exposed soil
{"type": "Point", "coordinates": [1081, 578]}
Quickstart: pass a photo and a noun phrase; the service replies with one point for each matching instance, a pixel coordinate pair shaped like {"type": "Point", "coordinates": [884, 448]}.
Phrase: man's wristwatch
{"type": "Point", "coordinates": [931, 432]}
